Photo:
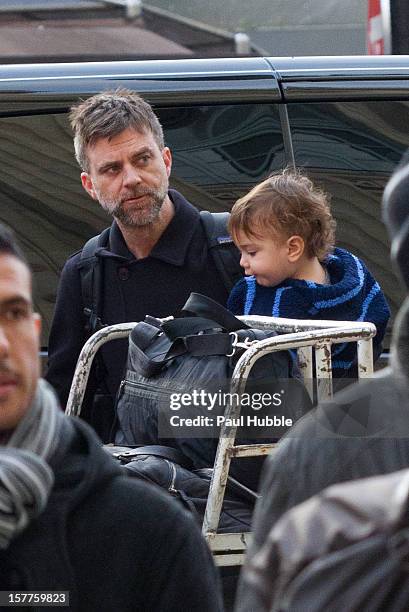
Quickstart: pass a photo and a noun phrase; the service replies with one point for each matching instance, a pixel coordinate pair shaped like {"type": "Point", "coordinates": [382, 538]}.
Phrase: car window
{"type": "Point", "coordinates": [351, 148]}
{"type": "Point", "coordinates": [219, 153]}
{"type": "Point", "coordinates": [43, 201]}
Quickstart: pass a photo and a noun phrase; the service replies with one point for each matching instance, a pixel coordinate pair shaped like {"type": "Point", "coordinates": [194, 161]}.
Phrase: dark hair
{"type": "Point", "coordinates": [287, 203]}
{"type": "Point", "coordinates": [9, 244]}
{"type": "Point", "coordinates": [107, 114]}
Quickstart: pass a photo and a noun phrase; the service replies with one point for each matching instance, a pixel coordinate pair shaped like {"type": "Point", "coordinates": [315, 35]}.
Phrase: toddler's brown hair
{"type": "Point", "coordinates": [287, 203]}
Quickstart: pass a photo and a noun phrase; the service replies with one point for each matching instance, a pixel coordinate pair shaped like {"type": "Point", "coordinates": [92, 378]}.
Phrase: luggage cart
{"type": "Point", "coordinates": [305, 337]}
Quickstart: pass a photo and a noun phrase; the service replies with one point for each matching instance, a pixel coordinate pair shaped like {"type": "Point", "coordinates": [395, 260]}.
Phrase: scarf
{"type": "Point", "coordinates": [26, 478]}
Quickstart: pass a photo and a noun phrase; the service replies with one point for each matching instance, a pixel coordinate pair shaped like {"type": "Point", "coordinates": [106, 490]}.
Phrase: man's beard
{"type": "Point", "coordinates": [131, 216]}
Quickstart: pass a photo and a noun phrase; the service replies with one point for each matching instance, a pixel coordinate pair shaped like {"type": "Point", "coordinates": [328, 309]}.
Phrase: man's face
{"type": "Point", "coordinates": [128, 175]}
{"type": "Point", "coordinates": [19, 342]}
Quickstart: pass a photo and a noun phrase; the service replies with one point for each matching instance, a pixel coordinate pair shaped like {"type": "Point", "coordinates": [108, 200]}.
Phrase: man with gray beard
{"type": "Point", "coordinates": [151, 258]}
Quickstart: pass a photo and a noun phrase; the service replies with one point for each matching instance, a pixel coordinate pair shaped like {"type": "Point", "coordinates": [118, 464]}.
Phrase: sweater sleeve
{"type": "Point", "coordinates": [237, 297]}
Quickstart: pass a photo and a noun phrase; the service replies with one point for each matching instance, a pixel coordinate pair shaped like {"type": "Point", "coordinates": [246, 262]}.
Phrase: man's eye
{"type": "Point", "coordinates": [110, 170]}
{"type": "Point", "coordinates": [16, 313]}
{"type": "Point", "coordinates": [251, 253]}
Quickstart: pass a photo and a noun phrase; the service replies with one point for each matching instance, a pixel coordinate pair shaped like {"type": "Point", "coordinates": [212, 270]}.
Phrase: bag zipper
{"type": "Point", "coordinates": [171, 487]}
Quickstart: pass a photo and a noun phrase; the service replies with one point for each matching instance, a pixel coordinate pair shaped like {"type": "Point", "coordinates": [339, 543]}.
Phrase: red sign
{"type": "Point", "coordinates": [375, 31]}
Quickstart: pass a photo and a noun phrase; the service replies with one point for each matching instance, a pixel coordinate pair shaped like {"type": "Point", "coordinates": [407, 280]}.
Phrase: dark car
{"type": "Point", "coordinates": [229, 123]}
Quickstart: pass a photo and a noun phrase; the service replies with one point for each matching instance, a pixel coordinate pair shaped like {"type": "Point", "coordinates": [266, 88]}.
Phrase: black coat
{"type": "Point", "coordinates": [157, 285]}
{"type": "Point", "coordinates": [114, 543]}
{"type": "Point", "coordinates": [363, 432]}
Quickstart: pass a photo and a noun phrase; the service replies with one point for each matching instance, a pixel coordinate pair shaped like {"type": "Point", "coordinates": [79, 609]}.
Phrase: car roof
{"type": "Point", "coordinates": [205, 81]}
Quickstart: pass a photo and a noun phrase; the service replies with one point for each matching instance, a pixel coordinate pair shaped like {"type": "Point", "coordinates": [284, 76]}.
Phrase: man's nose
{"type": "Point", "coordinates": [131, 175]}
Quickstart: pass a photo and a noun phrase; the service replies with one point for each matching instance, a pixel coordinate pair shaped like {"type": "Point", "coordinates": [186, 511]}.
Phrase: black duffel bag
{"type": "Point", "coordinates": [170, 470]}
{"type": "Point", "coordinates": [197, 353]}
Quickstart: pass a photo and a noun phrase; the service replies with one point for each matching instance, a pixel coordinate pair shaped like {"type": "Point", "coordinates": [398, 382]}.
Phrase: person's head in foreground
{"type": "Point", "coordinates": [19, 336]}
{"type": "Point", "coordinates": [29, 417]}
{"type": "Point", "coordinates": [284, 229]}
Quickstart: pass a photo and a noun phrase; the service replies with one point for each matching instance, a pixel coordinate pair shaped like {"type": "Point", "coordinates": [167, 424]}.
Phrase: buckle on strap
{"type": "Point", "coordinates": [236, 343]}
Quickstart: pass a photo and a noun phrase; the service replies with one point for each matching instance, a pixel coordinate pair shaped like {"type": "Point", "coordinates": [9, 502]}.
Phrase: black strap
{"type": "Point", "coordinates": [209, 344]}
{"type": "Point", "coordinates": [178, 328]}
{"type": "Point", "coordinates": [203, 306]}
{"type": "Point", "coordinates": [165, 452]}
{"type": "Point", "coordinates": [224, 252]}
{"type": "Point", "coordinates": [184, 339]}
{"type": "Point", "coordinates": [232, 485]}
{"type": "Point", "coordinates": [91, 274]}
{"type": "Point", "coordinates": [200, 346]}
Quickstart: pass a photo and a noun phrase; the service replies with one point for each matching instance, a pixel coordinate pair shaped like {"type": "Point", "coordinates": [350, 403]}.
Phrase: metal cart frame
{"type": "Point", "coordinates": [305, 336]}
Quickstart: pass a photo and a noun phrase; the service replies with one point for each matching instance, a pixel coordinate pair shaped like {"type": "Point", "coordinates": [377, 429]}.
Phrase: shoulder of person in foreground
{"type": "Point", "coordinates": [363, 431]}
{"type": "Point", "coordinates": [319, 538]}
{"type": "Point", "coordinates": [162, 563]}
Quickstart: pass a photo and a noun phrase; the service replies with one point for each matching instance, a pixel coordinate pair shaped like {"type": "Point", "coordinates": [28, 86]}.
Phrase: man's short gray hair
{"type": "Point", "coordinates": [107, 114]}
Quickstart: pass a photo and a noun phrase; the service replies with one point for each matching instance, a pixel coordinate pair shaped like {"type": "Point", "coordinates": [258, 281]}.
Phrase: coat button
{"type": "Point", "coordinates": [123, 273]}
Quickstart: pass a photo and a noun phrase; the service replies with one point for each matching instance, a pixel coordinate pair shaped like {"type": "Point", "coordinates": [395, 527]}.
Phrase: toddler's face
{"type": "Point", "coordinates": [264, 257]}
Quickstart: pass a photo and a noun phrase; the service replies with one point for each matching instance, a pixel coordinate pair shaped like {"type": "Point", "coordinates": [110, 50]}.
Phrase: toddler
{"type": "Point", "coordinates": [285, 232]}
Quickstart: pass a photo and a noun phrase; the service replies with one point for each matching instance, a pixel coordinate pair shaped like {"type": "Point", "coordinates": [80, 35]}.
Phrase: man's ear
{"type": "Point", "coordinates": [167, 158]}
{"type": "Point", "coordinates": [37, 322]}
{"type": "Point", "coordinates": [88, 185]}
{"type": "Point", "coordinates": [295, 248]}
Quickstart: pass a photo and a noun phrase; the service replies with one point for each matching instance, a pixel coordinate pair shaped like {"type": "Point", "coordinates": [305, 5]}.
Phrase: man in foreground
{"type": "Point", "coordinates": [69, 520]}
{"type": "Point", "coordinates": [151, 258]}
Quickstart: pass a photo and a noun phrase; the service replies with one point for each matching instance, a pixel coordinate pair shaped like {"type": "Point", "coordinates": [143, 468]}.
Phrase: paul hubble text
{"type": "Point", "coordinates": [241, 421]}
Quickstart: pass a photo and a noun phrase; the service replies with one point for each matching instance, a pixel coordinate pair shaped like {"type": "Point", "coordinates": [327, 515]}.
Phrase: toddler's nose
{"type": "Point", "coordinates": [244, 261]}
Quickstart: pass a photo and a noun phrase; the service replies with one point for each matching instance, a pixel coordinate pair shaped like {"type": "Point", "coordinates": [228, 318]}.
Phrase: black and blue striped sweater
{"type": "Point", "coordinates": [353, 295]}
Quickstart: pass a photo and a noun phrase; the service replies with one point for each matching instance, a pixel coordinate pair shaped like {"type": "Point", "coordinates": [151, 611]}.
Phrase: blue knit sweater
{"type": "Point", "coordinates": [353, 295]}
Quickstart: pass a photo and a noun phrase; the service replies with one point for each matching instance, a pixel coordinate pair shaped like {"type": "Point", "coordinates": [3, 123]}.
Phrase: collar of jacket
{"type": "Point", "coordinates": [172, 246]}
